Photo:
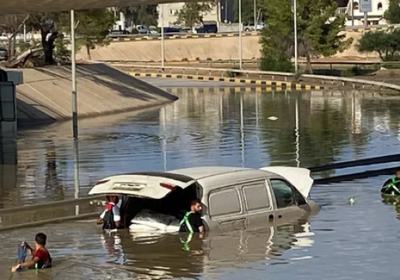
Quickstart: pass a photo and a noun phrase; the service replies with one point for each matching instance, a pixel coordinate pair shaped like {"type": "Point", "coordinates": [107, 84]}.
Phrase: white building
{"type": "Point", "coordinates": [171, 11]}
{"type": "Point", "coordinates": [375, 17]}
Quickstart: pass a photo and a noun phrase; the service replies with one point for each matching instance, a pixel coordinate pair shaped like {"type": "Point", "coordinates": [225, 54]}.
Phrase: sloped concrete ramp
{"type": "Point", "coordinates": [45, 95]}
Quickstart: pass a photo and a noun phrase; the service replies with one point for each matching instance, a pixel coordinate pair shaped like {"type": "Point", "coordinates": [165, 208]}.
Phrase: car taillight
{"type": "Point", "coordinates": [102, 182]}
{"type": "Point", "coordinates": [167, 186]}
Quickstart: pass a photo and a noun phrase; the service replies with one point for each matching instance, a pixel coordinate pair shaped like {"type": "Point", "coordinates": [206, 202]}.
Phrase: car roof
{"type": "Point", "coordinates": [198, 173]}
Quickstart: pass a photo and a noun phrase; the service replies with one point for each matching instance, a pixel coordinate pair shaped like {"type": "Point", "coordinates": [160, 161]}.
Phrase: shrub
{"type": "Point", "coordinates": [271, 64]}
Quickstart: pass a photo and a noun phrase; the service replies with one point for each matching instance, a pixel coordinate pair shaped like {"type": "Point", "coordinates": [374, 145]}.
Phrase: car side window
{"type": "Point", "coordinates": [284, 193]}
{"type": "Point", "coordinates": [256, 196]}
{"type": "Point", "coordinates": [224, 203]}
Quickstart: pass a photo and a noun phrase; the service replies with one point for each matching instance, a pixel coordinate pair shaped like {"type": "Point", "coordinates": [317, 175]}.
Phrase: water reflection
{"type": "Point", "coordinates": [205, 128]}
{"type": "Point", "coordinates": [8, 167]}
{"type": "Point", "coordinates": [202, 128]}
{"type": "Point", "coordinates": [83, 254]}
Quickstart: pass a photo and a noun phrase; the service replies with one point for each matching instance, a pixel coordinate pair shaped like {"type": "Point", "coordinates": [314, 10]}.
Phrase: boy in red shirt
{"type": "Point", "coordinates": [40, 256]}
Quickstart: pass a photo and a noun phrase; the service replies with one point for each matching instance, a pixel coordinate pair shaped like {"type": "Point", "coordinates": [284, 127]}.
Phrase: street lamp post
{"type": "Point", "coordinates": [295, 35]}
{"type": "Point", "coordinates": [74, 96]}
{"type": "Point", "coordinates": [240, 35]}
{"type": "Point", "coordinates": [162, 37]}
{"type": "Point", "coordinates": [255, 15]}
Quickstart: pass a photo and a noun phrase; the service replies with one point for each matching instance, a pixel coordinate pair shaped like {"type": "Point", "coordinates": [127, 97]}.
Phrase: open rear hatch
{"type": "Point", "coordinates": [152, 186]}
{"type": "Point", "coordinates": [298, 177]}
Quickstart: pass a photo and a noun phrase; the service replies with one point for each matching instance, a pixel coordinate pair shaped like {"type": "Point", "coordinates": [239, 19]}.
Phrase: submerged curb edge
{"type": "Point", "coordinates": [252, 82]}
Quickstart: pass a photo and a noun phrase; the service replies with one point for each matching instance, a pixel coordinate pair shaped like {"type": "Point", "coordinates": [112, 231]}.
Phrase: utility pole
{"type": "Point", "coordinates": [255, 15]}
{"type": "Point", "coordinates": [240, 35]}
{"type": "Point", "coordinates": [365, 20]}
{"type": "Point", "coordinates": [162, 37]}
{"type": "Point", "coordinates": [352, 13]}
{"type": "Point", "coordinates": [74, 95]}
{"type": "Point", "coordinates": [295, 35]}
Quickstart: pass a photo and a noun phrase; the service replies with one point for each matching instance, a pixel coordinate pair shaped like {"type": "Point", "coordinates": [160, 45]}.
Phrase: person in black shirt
{"type": "Point", "coordinates": [392, 186]}
{"type": "Point", "coordinates": [192, 221]}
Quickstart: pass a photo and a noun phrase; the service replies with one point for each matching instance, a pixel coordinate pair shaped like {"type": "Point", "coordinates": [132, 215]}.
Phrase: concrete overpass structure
{"type": "Point", "coordinates": [34, 6]}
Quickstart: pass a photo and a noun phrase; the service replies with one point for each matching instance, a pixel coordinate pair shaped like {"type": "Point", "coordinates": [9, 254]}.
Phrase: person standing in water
{"type": "Point", "coordinates": [111, 217]}
{"type": "Point", "coordinates": [192, 221]}
{"type": "Point", "coordinates": [40, 256]}
{"type": "Point", "coordinates": [392, 186]}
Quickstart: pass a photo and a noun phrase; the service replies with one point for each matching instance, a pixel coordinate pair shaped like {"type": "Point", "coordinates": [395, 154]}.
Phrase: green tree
{"type": "Point", "coordinates": [142, 14]}
{"type": "Point", "coordinates": [46, 23]}
{"type": "Point", "coordinates": [386, 44]}
{"type": "Point", "coordinates": [392, 14]}
{"type": "Point", "coordinates": [11, 25]}
{"type": "Point", "coordinates": [277, 37]}
{"type": "Point", "coordinates": [192, 12]}
{"type": "Point", "coordinates": [92, 28]}
{"type": "Point", "coordinates": [318, 30]}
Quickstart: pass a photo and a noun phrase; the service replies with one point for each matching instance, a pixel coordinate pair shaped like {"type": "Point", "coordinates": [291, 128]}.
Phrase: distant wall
{"type": "Point", "coordinates": [224, 48]}
{"type": "Point", "coordinates": [177, 49]}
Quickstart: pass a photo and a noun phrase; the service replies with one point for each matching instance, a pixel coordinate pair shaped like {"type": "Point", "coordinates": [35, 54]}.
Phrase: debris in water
{"type": "Point", "coordinates": [272, 118]}
{"type": "Point", "coordinates": [352, 200]}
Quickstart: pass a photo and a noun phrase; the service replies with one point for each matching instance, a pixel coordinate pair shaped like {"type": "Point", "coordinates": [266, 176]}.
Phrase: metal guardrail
{"type": "Point", "coordinates": [174, 34]}
{"type": "Point", "coordinates": [353, 81]}
{"type": "Point", "coordinates": [184, 34]}
{"type": "Point", "coordinates": [332, 79]}
{"type": "Point", "coordinates": [155, 35]}
{"type": "Point", "coordinates": [256, 61]}
{"type": "Point", "coordinates": [378, 26]}
{"type": "Point", "coordinates": [356, 163]}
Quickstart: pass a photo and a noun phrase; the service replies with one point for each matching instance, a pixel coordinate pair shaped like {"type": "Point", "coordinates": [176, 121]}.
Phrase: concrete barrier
{"type": "Point", "coordinates": [208, 48]}
{"type": "Point", "coordinates": [125, 38]}
{"type": "Point", "coordinates": [177, 50]}
{"type": "Point", "coordinates": [255, 82]}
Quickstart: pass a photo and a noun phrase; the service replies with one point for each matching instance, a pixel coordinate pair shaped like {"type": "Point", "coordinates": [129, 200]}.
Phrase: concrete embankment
{"type": "Point", "coordinates": [177, 50]}
{"type": "Point", "coordinates": [222, 48]}
{"type": "Point", "coordinates": [45, 95]}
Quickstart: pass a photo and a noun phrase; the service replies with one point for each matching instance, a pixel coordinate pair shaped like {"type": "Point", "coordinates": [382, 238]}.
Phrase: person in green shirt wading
{"type": "Point", "coordinates": [392, 186]}
{"type": "Point", "coordinates": [192, 223]}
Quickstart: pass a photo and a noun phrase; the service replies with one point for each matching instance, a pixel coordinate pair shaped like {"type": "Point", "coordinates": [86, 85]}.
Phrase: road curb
{"type": "Point", "coordinates": [251, 82]}
{"type": "Point", "coordinates": [197, 36]}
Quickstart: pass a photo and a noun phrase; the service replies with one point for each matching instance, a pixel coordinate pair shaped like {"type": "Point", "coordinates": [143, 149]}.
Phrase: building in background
{"type": "Point", "coordinates": [375, 17]}
{"type": "Point", "coordinates": [171, 11]}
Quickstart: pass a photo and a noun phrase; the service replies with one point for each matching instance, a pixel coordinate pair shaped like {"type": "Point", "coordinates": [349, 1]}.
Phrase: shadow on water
{"type": "Point", "coordinates": [8, 165]}
{"type": "Point", "coordinates": [19, 214]}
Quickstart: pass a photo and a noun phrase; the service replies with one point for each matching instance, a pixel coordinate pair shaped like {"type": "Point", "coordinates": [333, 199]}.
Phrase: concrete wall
{"type": "Point", "coordinates": [178, 49]}
{"type": "Point", "coordinates": [45, 95]}
{"type": "Point", "coordinates": [203, 48]}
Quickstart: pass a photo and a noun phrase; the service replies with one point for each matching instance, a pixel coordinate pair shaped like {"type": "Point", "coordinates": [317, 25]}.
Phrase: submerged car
{"type": "Point", "coordinates": [233, 198]}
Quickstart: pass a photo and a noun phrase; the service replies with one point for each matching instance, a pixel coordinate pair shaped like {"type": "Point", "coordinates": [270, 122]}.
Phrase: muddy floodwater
{"type": "Point", "coordinates": [359, 240]}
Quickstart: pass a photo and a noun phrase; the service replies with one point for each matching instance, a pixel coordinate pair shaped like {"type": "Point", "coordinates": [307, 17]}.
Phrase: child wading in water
{"type": "Point", "coordinates": [40, 256]}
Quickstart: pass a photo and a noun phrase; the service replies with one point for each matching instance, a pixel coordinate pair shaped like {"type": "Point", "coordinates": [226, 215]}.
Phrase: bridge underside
{"type": "Point", "coordinates": [33, 6]}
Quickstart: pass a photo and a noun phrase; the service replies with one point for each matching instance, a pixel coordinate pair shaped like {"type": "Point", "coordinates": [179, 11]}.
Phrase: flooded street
{"type": "Point", "coordinates": [208, 126]}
